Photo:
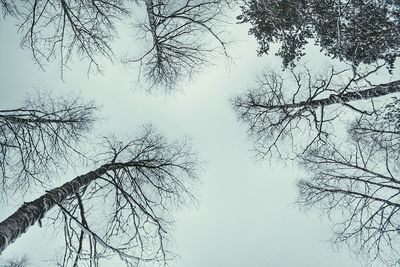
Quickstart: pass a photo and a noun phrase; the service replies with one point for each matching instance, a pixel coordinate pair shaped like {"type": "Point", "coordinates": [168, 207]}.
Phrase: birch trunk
{"type": "Point", "coordinates": [376, 91]}
{"type": "Point", "coordinates": [31, 212]}
{"type": "Point", "coordinates": [153, 26]}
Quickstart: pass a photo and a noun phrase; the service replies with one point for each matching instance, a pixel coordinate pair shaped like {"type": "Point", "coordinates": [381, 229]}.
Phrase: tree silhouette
{"type": "Point", "coordinates": [123, 206]}
{"type": "Point", "coordinates": [382, 129]}
{"type": "Point", "coordinates": [283, 109]}
{"type": "Point", "coordinates": [16, 262]}
{"type": "Point", "coordinates": [40, 137]}
{"type": "Point", "coordinates": [355, 31]}
{"type": "Point", "coordinates": [357, 183]}
{"type": "Point", "coordinates": [181, 33]}
{"type": "Point", "coordinates": [138, 182]}
{"type": "Point", "coordinates": [179, 47]}
{"type": "Point", "coordinates": [59, 28]}
{"type": "Point", "coordinates": [120, 208]}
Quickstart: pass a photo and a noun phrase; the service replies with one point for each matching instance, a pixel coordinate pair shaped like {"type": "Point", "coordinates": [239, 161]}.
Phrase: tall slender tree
{"type": "Point", "coordinates": [179, 47]}
{"type": "Point", "coordinates": [121, 208]}
{"type": "Point", "coordinates": [301, 106]}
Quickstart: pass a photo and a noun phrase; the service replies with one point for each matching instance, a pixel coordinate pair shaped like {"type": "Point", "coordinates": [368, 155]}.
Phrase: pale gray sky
{"type": "Point", "coordinates": [246, 215]}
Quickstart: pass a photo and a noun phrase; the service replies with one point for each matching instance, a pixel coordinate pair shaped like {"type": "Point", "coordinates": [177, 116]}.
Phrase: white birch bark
{"type": "Point", "coordinates": [31, 212]}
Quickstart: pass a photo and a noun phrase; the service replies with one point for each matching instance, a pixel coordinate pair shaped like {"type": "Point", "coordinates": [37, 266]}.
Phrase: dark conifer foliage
{"type": "Point", "coordinates": [356, 31]}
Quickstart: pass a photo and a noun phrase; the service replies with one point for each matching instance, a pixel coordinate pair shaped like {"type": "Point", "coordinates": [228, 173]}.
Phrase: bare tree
{"type": "Point", "coordinates": [179, 31]}
{"type": "Point", "coordinates": [40, 137]}
{"type": "Point", "coordinates": [179, 46]}
{"type": "Point", "coordinates": [300, 105]}
{"type": "Point", "coordinates": [8, 7]}
{"type": "Point", "coordinates": [380, 128]}
{"type": "Point", "coordinates": [59, 28]}
{"type": "Point", "coordinates": [120, 208]}
{"type": "Point", "coordinates": [16, 262]}
{"type": "Point", "coordinates": [357, 183]}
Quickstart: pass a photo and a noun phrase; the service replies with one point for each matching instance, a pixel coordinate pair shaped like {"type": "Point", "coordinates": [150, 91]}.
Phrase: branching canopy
{"type": "Point", "coordinates": [285, 108]}
{"type": "Point", "coordinates": [127, 210]}
{"type": "Point", "coordinates": [40, 137]}
{"type": "Point", "coordinates": [59, 28]}
{"type": "Point", "coordinates": [357, 183]}
{"type": "Point", "coordinates": [122, 208]}
{"type": "Point", "coordinates": [181, 33]}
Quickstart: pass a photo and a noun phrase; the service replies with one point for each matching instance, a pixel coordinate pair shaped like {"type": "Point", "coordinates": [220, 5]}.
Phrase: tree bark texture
{"type": "Point", "coordinates": [31, 212]}
{"type": "Point", "coordinates": [153, 25]}
{"type": "Point", "coordinates": [376, 91]}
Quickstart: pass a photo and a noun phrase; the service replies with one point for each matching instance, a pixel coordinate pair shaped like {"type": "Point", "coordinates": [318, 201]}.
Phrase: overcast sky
{"type": "Point", "coordinates": [246, 215]}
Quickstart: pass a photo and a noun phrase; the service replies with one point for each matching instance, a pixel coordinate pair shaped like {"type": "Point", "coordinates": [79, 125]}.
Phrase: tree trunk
{"type": "Point", "coordinates": [376, 91]}
{"type": "Point", "coordinates": [31, 212]}
{"type": "Point", "coordinates": [153, 26]}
